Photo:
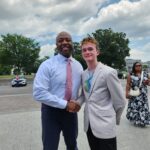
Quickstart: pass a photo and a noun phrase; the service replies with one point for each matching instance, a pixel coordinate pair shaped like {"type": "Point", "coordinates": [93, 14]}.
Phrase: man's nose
{"type": "Point", "coordinates": [64, 41]}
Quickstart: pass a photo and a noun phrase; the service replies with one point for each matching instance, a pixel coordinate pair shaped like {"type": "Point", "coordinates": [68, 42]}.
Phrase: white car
{"type": "Point", "coordinates": [19, 81]}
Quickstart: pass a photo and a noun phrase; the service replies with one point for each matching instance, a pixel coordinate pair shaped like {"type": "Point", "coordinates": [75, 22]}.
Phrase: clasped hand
{"type": "Point", "coordinates": [73, 106]}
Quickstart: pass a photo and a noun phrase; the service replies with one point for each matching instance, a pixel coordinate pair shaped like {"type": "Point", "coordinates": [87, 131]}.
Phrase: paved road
{"type": "Point", "coordinates": [20, 127]}
{"type": "Point", "coordinates": [16, 99]}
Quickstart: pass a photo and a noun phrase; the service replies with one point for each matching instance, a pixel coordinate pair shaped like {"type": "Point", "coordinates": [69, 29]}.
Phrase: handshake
{"type": "Point", "coordinates": [73, 106]}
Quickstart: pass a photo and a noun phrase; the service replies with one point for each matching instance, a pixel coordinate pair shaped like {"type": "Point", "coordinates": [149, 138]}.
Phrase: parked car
{"type": "Point", "coordinates": [120, 75]}
{"type": "Point", "coordinates": [19, 81]}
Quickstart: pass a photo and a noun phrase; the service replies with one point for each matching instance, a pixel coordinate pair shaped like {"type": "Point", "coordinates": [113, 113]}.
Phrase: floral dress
{"type": "Point", "coordinates": [138, 108]}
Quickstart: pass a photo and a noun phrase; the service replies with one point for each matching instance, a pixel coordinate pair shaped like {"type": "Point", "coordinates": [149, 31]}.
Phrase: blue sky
{"type": "Point", "coordinates": [44, 19]}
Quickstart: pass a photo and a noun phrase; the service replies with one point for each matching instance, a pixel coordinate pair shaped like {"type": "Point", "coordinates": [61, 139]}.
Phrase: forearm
{"type": "Point", "coordinates": [118, 115]}
{"type": "Point", "coordinates": [47, 98]}
{"type": "Point", "coordinates": [80, 100]}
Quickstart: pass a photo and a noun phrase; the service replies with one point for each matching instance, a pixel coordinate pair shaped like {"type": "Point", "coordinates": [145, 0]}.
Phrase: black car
{"type": "Point", "coordinates": [120, 75]}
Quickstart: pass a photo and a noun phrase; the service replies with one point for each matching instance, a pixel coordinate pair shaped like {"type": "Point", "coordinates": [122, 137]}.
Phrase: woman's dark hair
{"type": "Point", "coordinates": [133, 67]}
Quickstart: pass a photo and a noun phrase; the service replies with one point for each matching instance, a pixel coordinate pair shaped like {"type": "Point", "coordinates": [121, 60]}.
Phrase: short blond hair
{"type": "Point", "coordinates": [90, 39]}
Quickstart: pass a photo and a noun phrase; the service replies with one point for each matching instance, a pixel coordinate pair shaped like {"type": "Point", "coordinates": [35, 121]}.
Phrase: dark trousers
{"type": "Point", "coordinates": [55, 120]}
{"type": "Point", "coordinates": [100, 144]}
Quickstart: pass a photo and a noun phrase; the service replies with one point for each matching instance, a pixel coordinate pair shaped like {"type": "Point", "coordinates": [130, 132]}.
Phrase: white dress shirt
{"type": "Point", "coordinates": [50, 81]}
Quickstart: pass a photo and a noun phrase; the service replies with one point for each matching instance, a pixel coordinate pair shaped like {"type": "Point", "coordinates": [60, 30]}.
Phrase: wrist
{"type": "Point", "coordinates": [67, 106]}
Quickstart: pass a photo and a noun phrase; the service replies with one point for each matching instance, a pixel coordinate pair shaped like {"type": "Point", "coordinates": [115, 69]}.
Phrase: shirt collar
{"type": "Point", "coordinates": [62, 58]}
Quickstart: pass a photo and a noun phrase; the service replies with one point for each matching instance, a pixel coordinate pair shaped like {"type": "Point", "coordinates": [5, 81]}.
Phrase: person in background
{"type": "Point", "coordinates": [104, 99]}
{"type": "Point", "coordinates": [56, 82]}
{"type": "Point", "coordinates": [17, 77]}
{"type": "Point", "coordinates": [138, 108]}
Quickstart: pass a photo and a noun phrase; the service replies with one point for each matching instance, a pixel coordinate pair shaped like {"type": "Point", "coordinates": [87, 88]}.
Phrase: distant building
{"type": "Point", "coordinates": [147, 64]}
{"type": "Point", "coordinates": [130, 62]}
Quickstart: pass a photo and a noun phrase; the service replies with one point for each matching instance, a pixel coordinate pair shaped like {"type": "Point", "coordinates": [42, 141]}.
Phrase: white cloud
{"type": "Point", "coordinates": [125, 16]}
{"type": "Point", "coordinates": [146, 48]}
{"type": "Point", "coordinates": [43, 19]}
{"type": "Point", "coordinates": [36, 16]}
{"type": "Point", "coordinates": [47, 50]}
{"type": "Point", "coordinates": [134, 54]}
{"type": "Point", "coordinates": [142, 55]}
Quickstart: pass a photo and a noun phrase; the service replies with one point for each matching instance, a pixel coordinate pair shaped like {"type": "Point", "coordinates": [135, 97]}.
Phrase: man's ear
{"type": "Point", "coordinates": [98, 52]}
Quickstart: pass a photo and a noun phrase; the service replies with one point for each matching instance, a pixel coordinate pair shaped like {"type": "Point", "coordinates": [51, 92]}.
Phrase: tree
{"type": "Point", "coordinates": [113, 47]}
{"type": "Point", "coordinates": [19, 52]}
{"type": "Point", "coordinates": [77, 54]}
{"type": "Point", "coordinates": [145, 67]}
{"type": "Point", "coordinates": [5, 70]}
{"type": "Point", "coordinates": [38, 62]}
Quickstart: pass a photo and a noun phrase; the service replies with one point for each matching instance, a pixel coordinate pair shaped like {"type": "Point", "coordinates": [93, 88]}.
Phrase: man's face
{"type": "Point", "coordinates": [64, 45]}
{"type": "Point", "coordinates": [89, 52]}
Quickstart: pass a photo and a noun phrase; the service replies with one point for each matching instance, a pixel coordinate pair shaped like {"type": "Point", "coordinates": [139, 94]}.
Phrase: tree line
{"type": "Point", "coordinates": [22, 53]}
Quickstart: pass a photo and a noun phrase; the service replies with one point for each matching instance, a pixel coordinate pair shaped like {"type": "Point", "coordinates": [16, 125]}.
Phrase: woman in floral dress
{"type": "Point", "coordinates": [138, 107]}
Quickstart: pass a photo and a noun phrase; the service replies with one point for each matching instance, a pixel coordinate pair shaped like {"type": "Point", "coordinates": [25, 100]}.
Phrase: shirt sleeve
{"type": "Point", "coordinates": [41, 89]}
{"type": "Point", "coordinates": [117, 94]}
{"type": "Point", "coordinates": [81, 98]}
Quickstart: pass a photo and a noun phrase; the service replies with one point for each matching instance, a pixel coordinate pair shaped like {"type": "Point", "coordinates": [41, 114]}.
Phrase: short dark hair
{"type": "Point", "coordinates": [63, 33]}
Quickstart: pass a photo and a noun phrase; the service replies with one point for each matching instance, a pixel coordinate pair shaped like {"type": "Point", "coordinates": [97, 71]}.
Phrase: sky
{"type": "Point", "coordinates": [42, 20]}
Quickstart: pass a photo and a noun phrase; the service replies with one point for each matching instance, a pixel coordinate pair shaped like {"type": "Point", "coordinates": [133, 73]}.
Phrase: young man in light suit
{"type": "Point", "coordinates": [104, 99]}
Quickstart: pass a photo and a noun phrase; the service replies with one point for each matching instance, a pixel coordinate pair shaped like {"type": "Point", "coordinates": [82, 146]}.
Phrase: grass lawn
{"type": "Point", "coordinates": [12, 76]}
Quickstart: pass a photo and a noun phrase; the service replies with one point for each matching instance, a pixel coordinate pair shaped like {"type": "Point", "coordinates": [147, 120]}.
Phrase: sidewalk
{"type": "Point", "coordinates": [22, 131]}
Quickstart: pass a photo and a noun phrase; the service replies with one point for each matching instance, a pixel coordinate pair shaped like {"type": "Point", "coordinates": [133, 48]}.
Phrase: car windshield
{"type": "Point", "coordinates": [21, 77]}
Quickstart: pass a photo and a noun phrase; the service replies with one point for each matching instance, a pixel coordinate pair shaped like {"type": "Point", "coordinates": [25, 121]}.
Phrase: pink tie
{"type": "Point", "coordinates": [68, 88]}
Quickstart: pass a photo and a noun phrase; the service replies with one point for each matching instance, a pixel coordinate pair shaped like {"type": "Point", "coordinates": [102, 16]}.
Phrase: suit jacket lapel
{"type": "Point", "coordinates": [95, 75]}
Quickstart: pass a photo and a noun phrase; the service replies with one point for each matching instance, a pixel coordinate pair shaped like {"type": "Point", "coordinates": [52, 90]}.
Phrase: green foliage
{"type": "Point", "coordinates": [5, 70]}
{"type": "Point", "coordinates": [19, 52]}
{"type": "Point", "coordinates": [113, 47]}
{"type": "Point", "coordinates": [145, 66]}
{"type": "Point", "coordinates": [38, 62]}
{"type": "Point", "coordinates": [77, 54]}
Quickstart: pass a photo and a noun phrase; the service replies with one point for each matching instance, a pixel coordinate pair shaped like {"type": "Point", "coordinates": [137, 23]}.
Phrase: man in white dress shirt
{"type": "Point", "coordinates": [49, 89]}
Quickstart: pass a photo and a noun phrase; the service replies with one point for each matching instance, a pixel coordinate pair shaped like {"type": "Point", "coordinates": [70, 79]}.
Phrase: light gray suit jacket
{"type": "Point", "coordinates": [105, 102]}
